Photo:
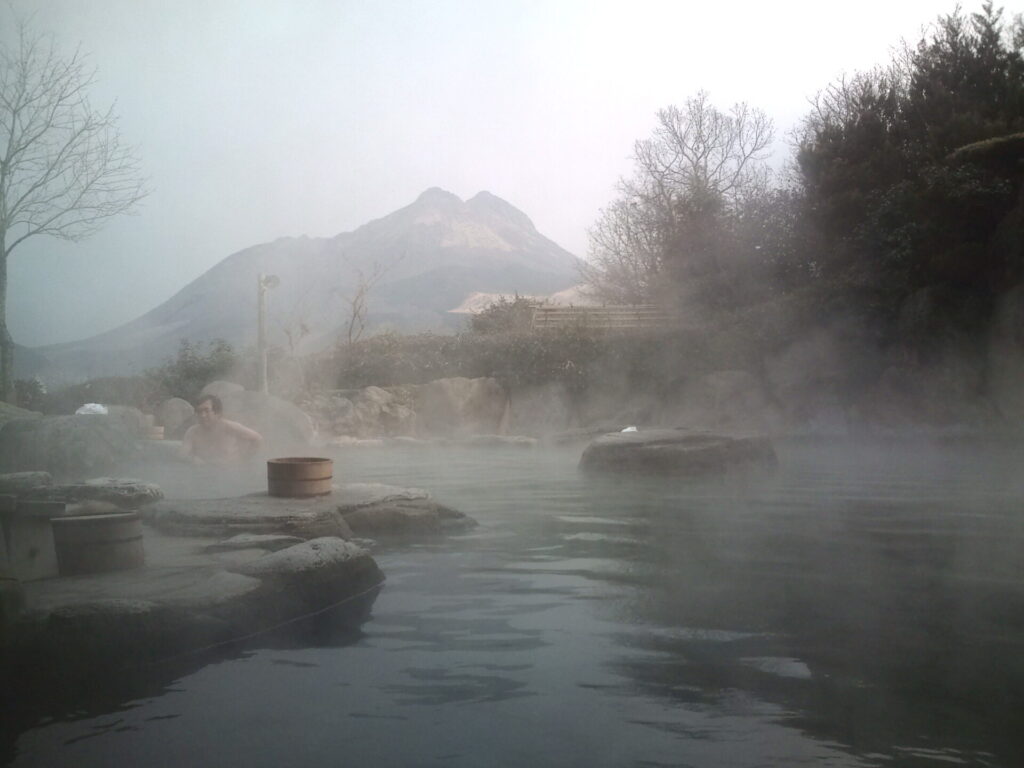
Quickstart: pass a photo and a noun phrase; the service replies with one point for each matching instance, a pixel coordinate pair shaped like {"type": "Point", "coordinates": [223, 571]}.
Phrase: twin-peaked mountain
{"type": "Point", "coordinates": [418, 263]}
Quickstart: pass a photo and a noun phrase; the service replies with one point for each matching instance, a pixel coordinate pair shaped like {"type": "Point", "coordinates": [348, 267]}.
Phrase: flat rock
{"type": "Point", "coordinates": [675, 452]}
{"type": "Point", "coordinates": [256, 513]}
{"type": "Point", "coordinates": [269, 541]}
{"type": "Point", "coordinates": [126, 493]}
{"type": "Point", "coordinates": [17, 483]}
{"type": "Point", "coordinates": [354, 509]}
{"type": "Point", "coordinates": [186, 598]}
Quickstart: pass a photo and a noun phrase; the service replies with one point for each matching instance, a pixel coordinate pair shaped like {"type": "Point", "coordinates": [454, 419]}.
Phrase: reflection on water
{"type": "Point", "coordinates": [861, 606]}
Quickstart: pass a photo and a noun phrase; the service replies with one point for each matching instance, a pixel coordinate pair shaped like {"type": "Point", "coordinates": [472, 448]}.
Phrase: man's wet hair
{"type": "Point", "coordinates": [213, 400]}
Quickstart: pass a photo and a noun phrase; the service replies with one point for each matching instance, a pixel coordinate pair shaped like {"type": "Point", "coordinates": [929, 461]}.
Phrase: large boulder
{"type": "Point", "coordinates": [370, 412]}
{"type": "Point", "coordinates": [283, 425]}
{"type": "Point", "coordinates": [9, 412]}
{"type": "Point", "coordinates": [413, 517]}
{"type": "Point", "coordinates": [312, 572]}
{"type": "Point", "coordinates": [458, 407]}
{"type": "Point", "coordinates": [675, 452]}
{"type": "Point", "coordinates": [175, 415]}
{"type": "Point", "coordinates": [376, 510]}
{"type": "Point", "coordinates": [65, 446]}
{"type": "Point", "coordinates": [129, 418]}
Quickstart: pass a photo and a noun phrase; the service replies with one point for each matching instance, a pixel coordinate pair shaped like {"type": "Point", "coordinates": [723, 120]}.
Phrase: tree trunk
{"type": "Point", "coordinates": [6, 342]}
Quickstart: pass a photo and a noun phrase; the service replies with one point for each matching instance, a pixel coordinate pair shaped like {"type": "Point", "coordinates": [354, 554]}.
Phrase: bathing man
{"type": "Point", "coordinates": [216, 440]}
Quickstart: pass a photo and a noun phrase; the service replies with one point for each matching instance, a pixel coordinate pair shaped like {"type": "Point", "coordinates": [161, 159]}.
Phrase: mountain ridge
{"type": "Point", "coordinates": [420, 261]}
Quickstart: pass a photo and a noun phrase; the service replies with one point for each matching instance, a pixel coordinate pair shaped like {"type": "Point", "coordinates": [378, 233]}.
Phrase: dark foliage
{"type": "Point", "coordinates": [576, 358]}
{"type": "Point", "coordinates": [505, 316]}
{"type": "Point", "coordinates": [899, 209]}
{"type": "Point", "coordinates": [193, 368]}
{"type": "Point", "coordinates": [30, 394]}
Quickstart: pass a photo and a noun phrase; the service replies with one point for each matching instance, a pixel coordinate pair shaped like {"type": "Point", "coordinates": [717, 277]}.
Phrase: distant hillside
{"type": "Point", "coordinates": [425, 258]}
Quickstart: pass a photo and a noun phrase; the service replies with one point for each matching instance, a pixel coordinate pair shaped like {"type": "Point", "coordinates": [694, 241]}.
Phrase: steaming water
{"type": "Point", "coordinates": [861, 606]}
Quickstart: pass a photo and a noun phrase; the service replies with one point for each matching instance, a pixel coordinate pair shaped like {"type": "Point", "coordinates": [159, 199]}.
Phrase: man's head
{"type": "Point", "coordinates": [208, 409]}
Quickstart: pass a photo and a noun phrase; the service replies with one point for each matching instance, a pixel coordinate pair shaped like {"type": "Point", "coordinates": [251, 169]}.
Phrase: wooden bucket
{"type": "Point", "coordinates": [299, 476]}
{"type": "Point", "coordinates": [98, 543]}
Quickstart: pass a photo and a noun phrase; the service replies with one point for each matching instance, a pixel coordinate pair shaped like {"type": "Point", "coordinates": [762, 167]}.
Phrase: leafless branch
{"type": "Point", "coordinates": [64, 169]}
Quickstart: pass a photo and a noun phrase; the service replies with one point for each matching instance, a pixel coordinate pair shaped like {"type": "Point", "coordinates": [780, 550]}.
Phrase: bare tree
{"type": "Point", "coordinates": [700, 150]}
{"type": "Point", "coordinates": [355, 324]}
{"type": "Point", "coordinates": [625, 254]}
{"type": "Point", "coordinates": [692, 178]}
{"type": "Point", "coordinates": [63, 167]}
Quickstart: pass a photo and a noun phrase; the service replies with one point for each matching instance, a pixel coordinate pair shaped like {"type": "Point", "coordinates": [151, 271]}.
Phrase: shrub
{"type": "Point", "coordinates": [577, 358]}
{"type": "Point", "coordinates": [192, 369]}
{"type": "Point", "coordinates": [505, 316]}
{"type": "Point", "coordinates": [30, 394]}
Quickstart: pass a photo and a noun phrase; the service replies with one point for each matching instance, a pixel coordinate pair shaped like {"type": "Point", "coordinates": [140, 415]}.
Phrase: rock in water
{"type": "Point", "coordinates": [675, 452]}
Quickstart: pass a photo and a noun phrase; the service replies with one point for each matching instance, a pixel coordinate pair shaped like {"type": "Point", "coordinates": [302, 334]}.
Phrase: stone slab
{"type": "Point", "coordinates": [355, 509]}
{"type": "Point", "coordinates": [127, 493]}
{"type": "Point", "coordinates": [266, 541]}
{"type": "Point", "coordinates": [183, 599]}
{"type": "Point", "coordinates": [17, 483]}
{"type": "Point", "coordinates": [256, 513]}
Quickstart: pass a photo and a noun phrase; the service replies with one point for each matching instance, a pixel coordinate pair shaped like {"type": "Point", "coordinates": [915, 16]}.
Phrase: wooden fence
{"type": "Point", "coordinates": [625, 317]}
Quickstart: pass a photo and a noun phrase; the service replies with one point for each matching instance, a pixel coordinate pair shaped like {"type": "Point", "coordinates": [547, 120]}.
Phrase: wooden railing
{"type": "Point", "coordinates": [621, 317]}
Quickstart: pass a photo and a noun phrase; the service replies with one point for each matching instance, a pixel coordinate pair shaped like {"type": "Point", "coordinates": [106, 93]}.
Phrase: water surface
{"type": "Point", "coordinates": [863, 605]}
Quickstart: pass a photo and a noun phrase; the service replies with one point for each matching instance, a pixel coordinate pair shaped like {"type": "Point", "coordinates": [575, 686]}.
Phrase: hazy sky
{"type": "Point", "coordinates": [257, 119]}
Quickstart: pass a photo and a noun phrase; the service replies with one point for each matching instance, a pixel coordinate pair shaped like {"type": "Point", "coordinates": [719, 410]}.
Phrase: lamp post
{"type": "Point", "coordinates": [263, 284]}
